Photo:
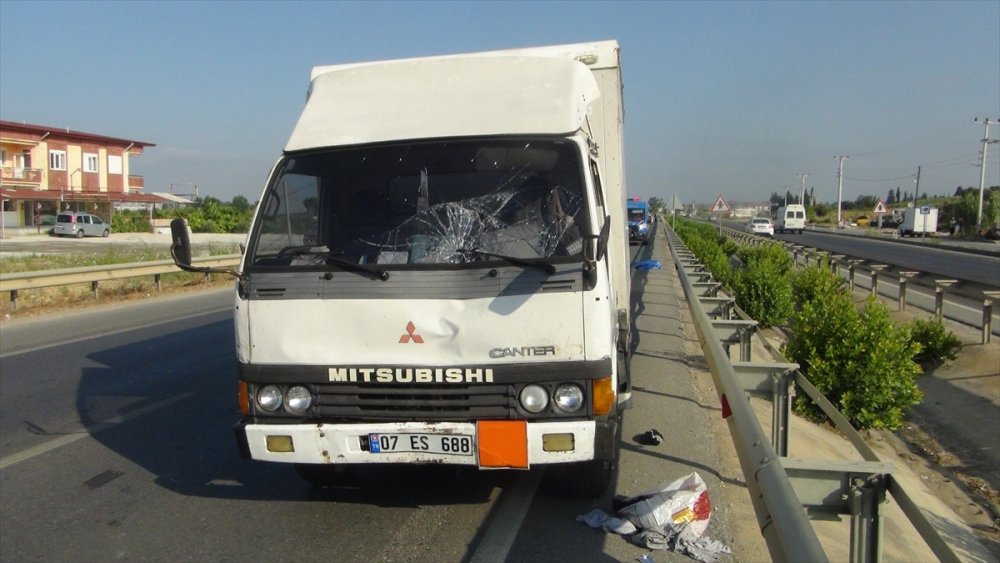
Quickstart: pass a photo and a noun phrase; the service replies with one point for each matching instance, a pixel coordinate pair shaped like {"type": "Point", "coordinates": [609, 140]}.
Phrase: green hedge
{"type": "Point", "coordinates": [864, 364]}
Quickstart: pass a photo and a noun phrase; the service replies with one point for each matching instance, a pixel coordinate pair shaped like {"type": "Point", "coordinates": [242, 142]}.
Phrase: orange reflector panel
{"type": "Point", "coordinates": [280, 444]}
{"type": "Point", "coordinates": [503, 443]}
{"type": "Point", "coordinates": [243, 399]}
{"type": "Point", "coordinates": [604, 396]}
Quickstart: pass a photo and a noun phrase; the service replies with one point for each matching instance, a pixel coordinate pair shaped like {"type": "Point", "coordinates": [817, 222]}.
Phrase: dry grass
{"type": "Point", "coordinates": [43, 301]}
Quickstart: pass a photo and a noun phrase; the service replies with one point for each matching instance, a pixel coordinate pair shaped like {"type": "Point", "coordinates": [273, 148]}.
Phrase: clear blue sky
{"type": "Point", "coordinates": [732, 98]}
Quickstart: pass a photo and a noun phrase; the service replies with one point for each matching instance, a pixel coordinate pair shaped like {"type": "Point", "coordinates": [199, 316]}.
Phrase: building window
{"type": "Point", "coordinates": [114, 164]}
{"type": "Point", "coordinates": [57, 160]}
{"type": "Point", "coordinates": [89, 162]}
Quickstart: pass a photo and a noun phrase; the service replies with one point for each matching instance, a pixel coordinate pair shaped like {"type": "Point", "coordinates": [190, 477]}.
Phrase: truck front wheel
{"type": "Point", "coordinates": [322, 475]}
{"type": "Point", "coordinates": [591, 478]}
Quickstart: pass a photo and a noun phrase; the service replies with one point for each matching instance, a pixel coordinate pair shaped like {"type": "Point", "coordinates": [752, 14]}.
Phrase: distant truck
{"type": "Point", "coordinates": [438, 270]}
{"type": "Point", "coordinates": [791, 218]}
{"type": "Point", "coordinates": [920, 221]}
{"type": "Point", "coordinates": [639, 221]}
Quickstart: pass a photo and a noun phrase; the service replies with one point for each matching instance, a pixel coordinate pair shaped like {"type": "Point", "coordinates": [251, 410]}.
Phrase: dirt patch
{"type": "Point", "coordinates": [53, 300]}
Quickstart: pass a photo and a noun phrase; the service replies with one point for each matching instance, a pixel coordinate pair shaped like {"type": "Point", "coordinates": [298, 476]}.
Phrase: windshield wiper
{"type": "Point", "coordinates": [523, 262]}
{"type": "Point", "coordinates": [333, 259]}
{"type": "Point", "coordinates": [355, 267]}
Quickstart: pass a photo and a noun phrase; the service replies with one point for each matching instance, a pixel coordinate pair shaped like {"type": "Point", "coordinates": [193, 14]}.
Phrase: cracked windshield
{"type": "Point", "coordinates": [435, 203]}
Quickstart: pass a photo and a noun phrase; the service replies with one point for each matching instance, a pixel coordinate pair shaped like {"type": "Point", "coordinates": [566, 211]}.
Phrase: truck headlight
{"type": "Point", "coordinates": [568, 397]}
{"type": "Point", "coordinates": [534, 398]}
{"type": "Point", "coordinates": [298, 399]}
{"type": "Point", "coordinates": [269, 398]}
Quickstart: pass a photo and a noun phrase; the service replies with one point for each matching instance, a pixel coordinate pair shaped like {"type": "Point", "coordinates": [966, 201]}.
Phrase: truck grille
{"type": "Point", "coordinates": [423, 402]}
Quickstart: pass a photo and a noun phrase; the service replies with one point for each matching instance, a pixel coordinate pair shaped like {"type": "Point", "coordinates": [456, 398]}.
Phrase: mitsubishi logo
{"type": "Point", "coordinates": [411, 335]}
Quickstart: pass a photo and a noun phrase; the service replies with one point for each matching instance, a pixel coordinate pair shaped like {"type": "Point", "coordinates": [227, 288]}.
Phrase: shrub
{"type": "Point", "coordinates": [860, 361]}
{"type": "Point", "coordinates": [762, 287]}
{"type": "Point", "coordinates": [937, 344]}
{"type": "Point", "coordinates": [815, 282]}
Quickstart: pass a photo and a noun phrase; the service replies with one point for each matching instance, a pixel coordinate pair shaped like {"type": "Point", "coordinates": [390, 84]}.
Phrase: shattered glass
{"type": "Point", "coordinates": [432, 203]}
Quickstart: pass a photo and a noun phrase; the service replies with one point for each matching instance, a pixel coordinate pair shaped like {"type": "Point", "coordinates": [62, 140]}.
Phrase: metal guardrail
{"type": "Point", "coordinates": [780, 486]}
{"type": "Point", "coordinates": [849, 267]}
{"type": "Point", "coordinates": [94, 275]}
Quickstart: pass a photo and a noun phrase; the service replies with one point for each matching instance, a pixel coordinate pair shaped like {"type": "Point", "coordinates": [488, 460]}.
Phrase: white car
{"type": "Point", "coordinates": [761, 226]}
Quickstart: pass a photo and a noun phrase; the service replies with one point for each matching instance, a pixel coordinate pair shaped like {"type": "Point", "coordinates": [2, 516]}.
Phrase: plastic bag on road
{"type": "Point", "coordinates": [671, 506]}
{"type": "Point", "coordinates": [671, 517]}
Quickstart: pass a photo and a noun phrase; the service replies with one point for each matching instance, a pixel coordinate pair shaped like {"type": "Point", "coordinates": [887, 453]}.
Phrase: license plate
{"type": "Point", "coordinates": [447, 444]}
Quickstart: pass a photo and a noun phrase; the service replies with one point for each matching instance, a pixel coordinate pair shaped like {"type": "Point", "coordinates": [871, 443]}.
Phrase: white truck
{"type": "Point", "coordinates": [438, 269]}
{"type": "Point", "coordinates": [919, 221]}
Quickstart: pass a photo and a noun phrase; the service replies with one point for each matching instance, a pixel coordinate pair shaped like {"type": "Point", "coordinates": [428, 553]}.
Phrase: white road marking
{"type": "Point", "coordinates": [503, 529]}
{"type": "Point", "coordinates": [70, 438]}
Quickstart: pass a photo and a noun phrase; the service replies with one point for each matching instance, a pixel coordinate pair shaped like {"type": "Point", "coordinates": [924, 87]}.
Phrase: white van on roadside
{"type": "Point", "coordinates": [791, 218]}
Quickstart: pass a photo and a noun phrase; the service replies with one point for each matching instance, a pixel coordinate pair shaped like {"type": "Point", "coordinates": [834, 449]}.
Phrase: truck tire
{"type": "Point", "coordinates": [322, 475]}
{"type": "Point", "coordinates": [591, 478]}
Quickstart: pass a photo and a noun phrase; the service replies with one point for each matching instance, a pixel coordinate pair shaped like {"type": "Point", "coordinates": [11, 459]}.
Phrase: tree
{"type": "Point", "coordinates": [897, 194]}
{"type": "Point", "coordinates": [241, 203]}
{"type": "Point", "coordinates": [891, 199]}
{"type": "Point", "coordinates": [959, 191]}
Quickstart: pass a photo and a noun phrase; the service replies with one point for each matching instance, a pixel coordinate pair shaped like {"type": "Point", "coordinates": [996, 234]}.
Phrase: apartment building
{"type": "Point", "coordinates": [44, 170]}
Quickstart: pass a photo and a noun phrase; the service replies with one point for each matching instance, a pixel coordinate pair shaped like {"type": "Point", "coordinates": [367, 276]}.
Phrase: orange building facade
{"type": "Point", "coordinates": [44, 170]}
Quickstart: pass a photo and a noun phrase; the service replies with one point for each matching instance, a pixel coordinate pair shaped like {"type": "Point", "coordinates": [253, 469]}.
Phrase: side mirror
{"type": "Point", "coordinates": [180, 248]}
{"type": "Point", "coordinates": [602, 238]}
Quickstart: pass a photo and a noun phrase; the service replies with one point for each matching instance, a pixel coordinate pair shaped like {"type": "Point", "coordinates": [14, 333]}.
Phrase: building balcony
{"type": "Point", "coordinates": [12, 176]}
{"type": "Point", "coordinates": [136, 182]}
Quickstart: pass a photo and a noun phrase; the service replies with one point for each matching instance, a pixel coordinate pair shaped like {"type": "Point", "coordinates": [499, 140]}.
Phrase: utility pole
{"type": "Point", "coordinates": [917, 189]}
{"type": "Point", "coordinates": [840, 187]}
{"type": "Point", "coordinates": [802, 190]}
{"type": "Point", "coordinates": [982, 173]}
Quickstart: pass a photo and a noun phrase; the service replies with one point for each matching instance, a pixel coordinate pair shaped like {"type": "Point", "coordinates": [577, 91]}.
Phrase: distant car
{"type": "Point", "coordinates": [761, 226]}
{"type": "Point", "coordinates": [892, 221]}
{"type": "Point", "coordinates": [80, 225]}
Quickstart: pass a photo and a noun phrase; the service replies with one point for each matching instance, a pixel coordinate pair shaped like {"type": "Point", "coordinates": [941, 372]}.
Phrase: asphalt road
{"type": "Point", "coordinates": [948, 263]}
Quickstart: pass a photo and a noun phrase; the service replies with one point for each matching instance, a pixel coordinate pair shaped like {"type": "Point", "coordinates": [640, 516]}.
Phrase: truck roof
{"type": "Point", "coordinates": [542, 90]}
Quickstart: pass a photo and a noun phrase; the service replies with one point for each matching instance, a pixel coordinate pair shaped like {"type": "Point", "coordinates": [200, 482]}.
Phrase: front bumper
{"type": "Point", "coordinates": [519, 444]}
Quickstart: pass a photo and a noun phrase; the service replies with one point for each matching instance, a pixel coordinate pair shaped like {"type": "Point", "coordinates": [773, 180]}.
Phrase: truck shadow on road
{"type": "Point", "coordinates": [173, 416]}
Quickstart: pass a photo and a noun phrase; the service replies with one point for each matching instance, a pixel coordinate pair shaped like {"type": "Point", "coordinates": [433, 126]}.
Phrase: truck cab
{"type": "Point", "coordinates": [437, 273]}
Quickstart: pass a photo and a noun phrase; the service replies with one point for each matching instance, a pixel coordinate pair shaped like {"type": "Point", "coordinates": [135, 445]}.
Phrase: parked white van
{"type": "Point", "coordinates": [790, 218]}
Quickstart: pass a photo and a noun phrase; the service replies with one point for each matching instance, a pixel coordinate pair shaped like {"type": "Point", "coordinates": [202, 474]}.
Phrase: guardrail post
{"type": "Point", "coordinates": [13, 299]}
{"type": "Point", "coordinates": [876, 268]}
{"type": "Point", "coordinates": [835, 263]}
{"type": "Point", "coordinates": [939, 287]}
{"type": "Point", "coordinates": [93, 287]}
{"type": "Point", "coordinates": [903, 278]}
{"type": "Point", "coordinates": [989, 297]}
{"type": "Point", "coordinates": [867, 498]}
{"type": "Point", "coordinates": [156, 279]}
{"type": "Point", "coordinates": [781, 411]}
{"type": "Point", "coordinates": [851, 266]}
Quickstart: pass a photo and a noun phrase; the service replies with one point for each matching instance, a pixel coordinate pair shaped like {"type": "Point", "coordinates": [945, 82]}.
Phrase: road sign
{"type": "Point", "coordinates": [925, 210]}
{"type": "Point", "coordinates": [721, 206]}
{"type": "Point", "coordinates": [675, 204]}
{"type": "Point", "coordinates": [880, 207]}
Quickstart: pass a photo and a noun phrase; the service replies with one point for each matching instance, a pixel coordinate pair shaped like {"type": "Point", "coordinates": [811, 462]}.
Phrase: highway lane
{"type": "Point", "coordinates": [936, 260]}
{"type": "Point", "coordinates": [119, 445]}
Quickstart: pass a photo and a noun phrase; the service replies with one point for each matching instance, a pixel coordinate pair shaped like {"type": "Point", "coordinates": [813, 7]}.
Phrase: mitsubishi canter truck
{"type": "Point", "coordinates": [437, 271]}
